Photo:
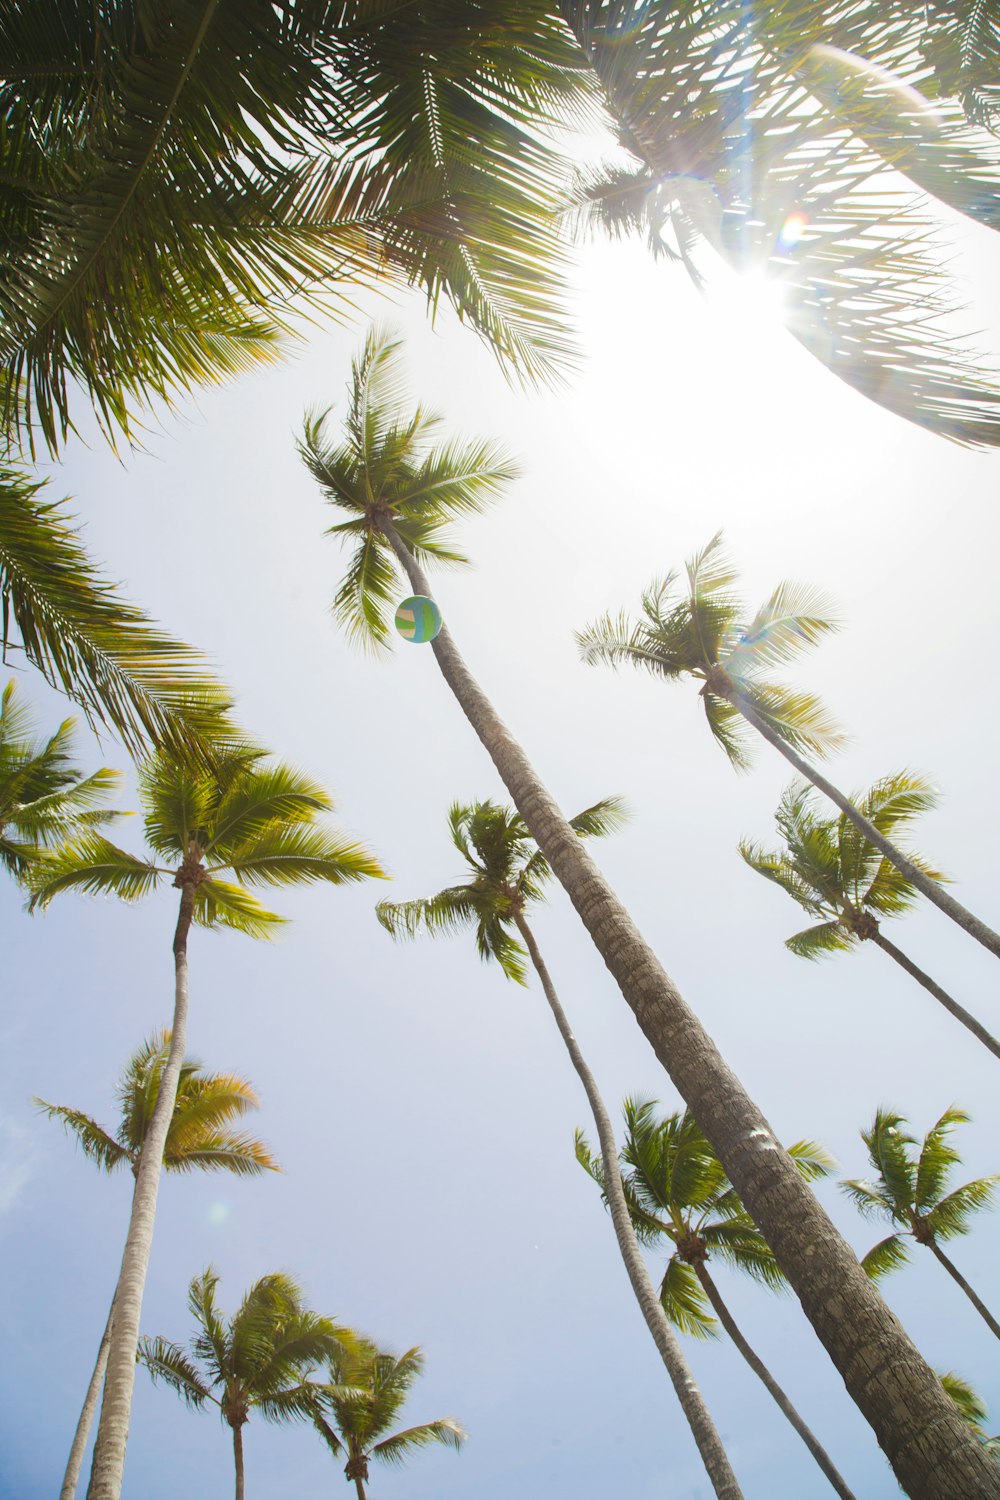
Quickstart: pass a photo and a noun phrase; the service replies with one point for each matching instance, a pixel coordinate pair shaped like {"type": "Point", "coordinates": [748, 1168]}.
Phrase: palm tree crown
{"type": "Point", "coordinates": [677, 1190]}
{"type": "Point", "coordinates": [706, 635]}
{"type": "Point", "coordinates": [910, 1188]}
{"type": "Point", "coordinates": [506, 873]}
{"type": "Point", "coordinates": [366, 1392]}
{"type": "Point", "coordinates": [834, 872]}
{"type": "Point", "coordinates": [199, 1134]}
{"type": "Point", "coordinates": [390, 480]}
{"type": "Point", "coordinates": [43, 797]}
{"type": "Point", "coordinates": [242, 814]}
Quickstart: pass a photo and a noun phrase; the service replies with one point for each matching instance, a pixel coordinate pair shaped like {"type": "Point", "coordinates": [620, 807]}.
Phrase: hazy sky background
{"type": "Point", "coordinates": [422, 1106]}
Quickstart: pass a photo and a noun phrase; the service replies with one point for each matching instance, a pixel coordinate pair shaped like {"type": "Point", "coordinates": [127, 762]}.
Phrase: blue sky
{"type": "Point", "coordinates": [422, 1106]}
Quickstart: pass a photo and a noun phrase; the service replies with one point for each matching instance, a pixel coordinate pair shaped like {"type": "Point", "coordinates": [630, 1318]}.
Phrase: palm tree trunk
{"type": "Point", "coordinates": [238, 1457]}
{"type": "Point", "coordinates": [932, 889]}
{"type": "Point", "coordinates": [759, 1368]}
{"type": "Point", "coordinates": [706, 1436]}
{"type": "Point", "coordinates": [75, 1461]}
{"type": "Point", "coordinates": [924, 1438]}
{"type": "Point", "coordinates": [360, 1489]}
{"type": "Point", "coordinates": [108, 1464]}
{"type": "Point", "coordinates": [952, 1006]}
{"type": "Point", "coordinates": [956, 1275]}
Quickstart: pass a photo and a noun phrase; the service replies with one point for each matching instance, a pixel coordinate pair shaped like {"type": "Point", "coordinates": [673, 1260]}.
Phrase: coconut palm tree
{"type": "Point", "coordinates": [243, 814]}
{"type": "Point", "coordinates": [706, 636]}
{"type": "Point", "coordinates": [395, 494]}
{"type": "Point", "coordinates": [767, 144]}
{"type": "Point", "coordinates": [353, 1412]}
{"type": "Point", "coordinates": [199, 1136]}
{"type": "Point", "coordinates": [87, 640]}
{"type": "Point", "coordinates": [43, 796]}
{"type": "Point", "coordinates": [259, 1361]}
{"type": "Point", "coordinates": [833, 872]}
{"type": "Point", "coordinates": [909, 1191]}
{"type": "Point", "coordinates": [505, 875]}
{"type": "Point", "coordinates": [677, 1191]}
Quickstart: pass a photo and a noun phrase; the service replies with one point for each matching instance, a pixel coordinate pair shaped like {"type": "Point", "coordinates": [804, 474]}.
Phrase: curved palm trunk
{"type": "Point", "coordinates": [238, 1458]}
{"type": "Point", "coordinates": [763, 1374]}
{"type": "Point", "coordinates": [956, 1275]}
{"type": "Point", "coordinates": [931, 1451]}
{"type": "Point", "coordinates": [952, 1006]}
{"type": "Point", "coordinates": [932, 889]}
{"type": "Point", "coordinates": [706, 1436]}
{"type": "Point", "coordinates": [108, 1463]}
{"type": "Point", "coordinates": [75, 1461]}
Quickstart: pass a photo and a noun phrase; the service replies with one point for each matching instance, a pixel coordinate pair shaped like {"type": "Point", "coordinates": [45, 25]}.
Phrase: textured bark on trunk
{"type": "Point", "coordinates": [75, 1461]}
{"type": "Point", "coordinates": [932, 889]}
{"type": "Point", "coordinates": [925, 1440]}
{"type": "Point", "coordinates": [703, 1429]}
{"type": "Point", "coordinates": [238, 1457]}
{"type": "Point", "coordinates": [951, 1006]}
{"type": "Point", "coordinates": [108, 1463]}
{"type": "Point", "coordinates": [763, 1374]}
{"type": "Point", "coordinates": [956, 1274]}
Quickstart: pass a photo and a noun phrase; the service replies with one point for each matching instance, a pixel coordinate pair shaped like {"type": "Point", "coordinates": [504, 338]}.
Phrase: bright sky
{"type": "Point", "coordinates": [423, 1107]}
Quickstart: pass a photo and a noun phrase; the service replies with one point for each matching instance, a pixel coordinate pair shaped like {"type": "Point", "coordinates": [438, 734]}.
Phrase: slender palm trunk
{"type": "Point", "coordinates": [108, 1464]}
{"type": "Point", "coordinates": [956, 1275]}
{"type": "Point", "coordinates": [706, 1436]}
{"type": "Point", "coordinates": [932, 889]}
{"type": "Point", "coordinates": [238, 1457]}
{"type": "Point", "coordinates": [924, 1438]}
{"type": "Point", "coordinates": [763, 1374]}
{"type": "Point", "coordinates": [75, 1461]}
{"type": "Point", "coordinates": [360, 1489]}
{"type": "Point", "coordinates": [952, 1006]}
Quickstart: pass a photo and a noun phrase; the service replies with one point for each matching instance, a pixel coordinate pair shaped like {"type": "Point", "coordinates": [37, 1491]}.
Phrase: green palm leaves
{"type": "Point", "coordinates": [392, 482]}
{"type": "Point", "coordinates": [707, 635]}
{"type": "Point", "coordinates": [86, 640]}
{"type": "Point", "coordinates": [506, 872]}
{"type": "Point", "coordinates": [199, 1135]}
{"type": "Point", "coordinates": [737, 139]}
{"type": "Point", "coordinates": [909, 1190]}
{"type": "Point", "coordinates": [353, 1414]}
{"type": "Point", "coordinates": [245, 815]}
{"type": "Point", "coordinates": [43, 797]}
{"type": "Point", "coordinates": [834, 872]}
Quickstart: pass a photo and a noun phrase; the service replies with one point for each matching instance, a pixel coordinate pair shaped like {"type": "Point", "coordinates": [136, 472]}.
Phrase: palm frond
{"type": "Point", "coordinates": [968, 1401]}
{"type": "Point", "coordinates": [397, 1448]}
{"type": "Point", "coordinates": [729, 730]}
{"type": "Point", "coordinates": [452, 910]}
{"type": "Point", "coordinates": [95, 1142]}
{"type": "Point", "coordinates": [227, 1151]}
{"type": "Point", "coordinates": [300, 854]}
{"type": "Point", "coordinates": [684, 1301]}
{"type": "Point", "coordinates": [812, 1160]}
{"type": "Point", "coordinates": [169, 1363]}
{"type": "Point", "coordinates": [951, 1215]}
{"type": "Point", "coordinates": [816, 942]}
{"type": "Point", "coordinates": [780, 870]}
{"type": "Point", "coordinates": [94, 866]}
{"type": "Point", "coordinates": [259, 795]}
{"type": "Point", "coordinates": [796, 616]}
{"type": "Point", "coordinates": [937, 1157]}
{"type": "Point", "coordinates": [797, 717]}
{"type": "Point", "coordinates": [888, 1255]}
{"type": "Point", "coordinates": [218, 903]}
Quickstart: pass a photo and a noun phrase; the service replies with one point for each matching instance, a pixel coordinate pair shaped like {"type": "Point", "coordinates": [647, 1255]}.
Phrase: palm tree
{"type": "Point", "coordinates": [397, 496]}
{"type": "Point", "coordinates": [198, 1137]}
{"type": "Point", "coordinates": [833, 872]}
{"type": "Point", "coordinates": [909, 1191]}
{"type": "Point", "coordinates": [87, 641]}
{"type": "Point", "coordinates": [258, 1361]}
{"type": "Point", "coordinates": [705, 636]}
{"type": "Point", "coordinates": [505, 874]}
{"type": "Point", "coordinates": [751, 146]}
{"type": "Point", "coordinates": [677, 1190]}
{"type": "Point", "coordinates": [259, 821]}
{"type": "Point", "coordinates": [43, 796]}
{"type": "Point", "coordinates": [367, 1388]}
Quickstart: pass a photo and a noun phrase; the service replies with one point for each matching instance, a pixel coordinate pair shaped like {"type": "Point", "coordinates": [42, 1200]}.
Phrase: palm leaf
{"type": "Point", "coordinates": [228, 1151]}
{"type": "Point", "coordinates": [886, 1256]}
{"type": "Point", "coordinates": [816, 942]}
{"type": "Point", "coordinates": [301, 855]}
{"type": "Point", "coordinates": [684, 1301]}
{"type": "Point", "coordinates": [793, 618]}
{"type": "Point", "coordinates": [951, 1215]}
{"type": "Point", "coordinates": [169, 1363]}
{"type": "Point", "coordinates": [937, 1157]}
{"type": "Point", "coordinates": [220, 904]}
{"type": "Point", "coordinates": [94, 1140]}
{"type": "Point", "coordinates": [397, 1448]}
{"type": "Point", "coordinates": [94, 866]}
{"type": "Point", "coordinates": [450, 911]}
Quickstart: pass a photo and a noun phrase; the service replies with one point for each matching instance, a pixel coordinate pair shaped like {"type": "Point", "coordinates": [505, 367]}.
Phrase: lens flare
{"type": "Point", "coordinates": [792, 230]}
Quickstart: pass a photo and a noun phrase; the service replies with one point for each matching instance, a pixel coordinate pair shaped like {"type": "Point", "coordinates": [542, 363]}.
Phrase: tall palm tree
{"type": "Point", "coordinates": [43, 796]}
{"type": "Point", "coordinates": [706, 636]}
{"type": "Point", "coordinates": [198, 1137]}
{"type": "Point", "coordinates": [398, 494]}
{"type": "Point", "coordinates": [243, 814]}
{"type": "Point", "coordinates": [677, 1191]}
{"type": "Point", "coordinates": [909, 1191]}
{"type": "Point", "coordinates": [354, 1412]}
{"type": "Point", "coordinates": [834, 872]}
{"type": "Point", "coordinates": [259, 1361]}
{"type": "Point", "coordinates": [87, 640]}
{"type": "Point", "coordinates": [768, 143]}
{"type": "Point", "coordinates": [505, 874]}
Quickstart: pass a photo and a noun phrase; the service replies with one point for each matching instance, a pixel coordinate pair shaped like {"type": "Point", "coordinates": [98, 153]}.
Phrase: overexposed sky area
{"type": "Point", "coordinates": [422, 1107]}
